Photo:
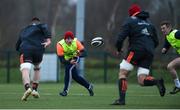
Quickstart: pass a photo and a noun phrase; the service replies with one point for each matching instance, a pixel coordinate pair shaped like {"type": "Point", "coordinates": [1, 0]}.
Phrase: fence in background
{"type": "Point", "coordinates": [100, 66]}
{"type": "Point", "coordinates": [9, 66]}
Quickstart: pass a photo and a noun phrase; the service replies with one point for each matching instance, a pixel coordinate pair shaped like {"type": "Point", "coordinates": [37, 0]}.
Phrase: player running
{"type": "Point", "coordinates": [172, 39]}
{"type": "Point", "coordinates": [142, 43]}
{"type": "Point", "coordinates": [31, 45]}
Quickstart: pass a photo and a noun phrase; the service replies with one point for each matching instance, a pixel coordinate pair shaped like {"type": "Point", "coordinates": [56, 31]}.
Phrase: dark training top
{"type": "Point", "coordinates": [142, 34]}
{"type": "Point", "coordinates": [32, 37]}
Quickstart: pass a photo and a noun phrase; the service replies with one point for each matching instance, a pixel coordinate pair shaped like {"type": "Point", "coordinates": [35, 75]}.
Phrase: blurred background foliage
{"type": "Point", "coordinates": [102, 18]}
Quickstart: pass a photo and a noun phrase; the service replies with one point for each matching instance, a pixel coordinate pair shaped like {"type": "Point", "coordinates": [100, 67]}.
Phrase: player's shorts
{"type": "Point", "coordinates": [33, 57]}
{"type": "Point", "coordinates": [140, 58]}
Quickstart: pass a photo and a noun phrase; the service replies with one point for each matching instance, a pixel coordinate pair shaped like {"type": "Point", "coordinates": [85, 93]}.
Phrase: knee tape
{"type": "Point", "coordinates": [25, 65]}
{"type": "Point", "coordinates": [142, 70]}
{"type": "Point", "coordinates": [37, 68]}
{"type": "Point", "coordinates": [126, 65]}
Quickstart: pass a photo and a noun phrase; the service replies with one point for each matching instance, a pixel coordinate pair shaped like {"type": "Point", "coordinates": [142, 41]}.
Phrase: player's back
{"type": "Point", "coordinates": [142, 34]}
{"type": "Point", "coordinates": [32, 36]}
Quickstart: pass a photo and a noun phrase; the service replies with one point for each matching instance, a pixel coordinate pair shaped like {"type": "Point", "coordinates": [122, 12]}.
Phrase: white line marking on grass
{"type": "Point", "coordinates": [47, 94]}
{"type": "Point", "coordinates": [80, 94]}
{"type": "Point", "coordinates": [22, 93]}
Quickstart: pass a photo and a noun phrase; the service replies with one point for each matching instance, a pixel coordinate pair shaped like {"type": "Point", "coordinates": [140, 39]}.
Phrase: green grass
{"type": "Point", "coordinates": [78, 98]}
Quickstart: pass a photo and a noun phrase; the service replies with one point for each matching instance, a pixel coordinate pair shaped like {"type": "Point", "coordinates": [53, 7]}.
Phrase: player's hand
{"type": "Point", "coordinates": [164, 50]}
{"type": "Point", "coordinates": [73, 61]}
{"type": "Point", "coordinates": [119, 52]}
{"type": "Point", "coordinates": [47, 43]}
{"type": "Point", "coordinates": [78, 53]}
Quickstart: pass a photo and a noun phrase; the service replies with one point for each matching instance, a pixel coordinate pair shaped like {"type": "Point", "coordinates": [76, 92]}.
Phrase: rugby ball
{"type": "Point", "coordinates": [97, 41]}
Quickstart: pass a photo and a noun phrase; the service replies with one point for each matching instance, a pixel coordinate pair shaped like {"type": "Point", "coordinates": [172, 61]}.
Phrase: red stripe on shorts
{"type": "Point", "coordinates": [130, 56]}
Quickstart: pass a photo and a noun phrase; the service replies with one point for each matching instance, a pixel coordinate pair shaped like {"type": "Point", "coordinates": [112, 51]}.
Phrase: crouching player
{"type": "Point", "coordinates": [69, 51]}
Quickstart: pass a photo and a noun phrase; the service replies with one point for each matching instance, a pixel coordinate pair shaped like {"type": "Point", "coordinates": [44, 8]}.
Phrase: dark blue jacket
{"type": "Point", "coordinates": [32, 36]}
{"type": "Point", "coordinates": [142, 34]}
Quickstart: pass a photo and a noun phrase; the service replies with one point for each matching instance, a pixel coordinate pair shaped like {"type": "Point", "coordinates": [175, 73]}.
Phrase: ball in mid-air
{"type": "Point", "coordinates": [97, 41]}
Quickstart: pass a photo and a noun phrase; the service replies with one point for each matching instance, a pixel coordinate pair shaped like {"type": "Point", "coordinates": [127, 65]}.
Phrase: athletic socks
{"type": "Point", "coordinates": [177, 83]}
{"type": "Point", "coordinates": [27, 86]}
{"type": "Point", "coordinates": [122, 85]}
{"type": "Point", "coordinates": [149, 81]}
{"type": "Point", "coordinates": [35, 86]}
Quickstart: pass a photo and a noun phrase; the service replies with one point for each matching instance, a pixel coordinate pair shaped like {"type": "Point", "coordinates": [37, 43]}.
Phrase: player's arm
{"type": "Point", "coordinates": [18, 43]}
{"type": "Point", "coordinates": [47, 34]}
{"type": "Point", "coordinates": [47, 42]}
{"type": "Point", "coordinates": [81, 50]}
{"type": "Point", "coordinates": [165, 47]}
{"type": "Point", "coordinates": [60, 53]}
{"type": "Point", "coordinates": [177, 35]}
{"type": "Point", "coordinates": [155, 37]}
{"type": "Point", "coordinates": [46, 30]}
{"type": "Point", "coordinates": [122, 36]}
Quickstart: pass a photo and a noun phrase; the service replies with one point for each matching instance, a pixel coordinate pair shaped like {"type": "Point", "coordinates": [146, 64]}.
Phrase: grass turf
{"type": "Point", "coordinates": [78, 97]}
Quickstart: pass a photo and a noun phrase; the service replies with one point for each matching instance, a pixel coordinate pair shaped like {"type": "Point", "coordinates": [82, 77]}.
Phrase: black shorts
{"type": "Point", "coordinates": [34, 57]}
{"type": "Point", "coordinates": [140, 58]}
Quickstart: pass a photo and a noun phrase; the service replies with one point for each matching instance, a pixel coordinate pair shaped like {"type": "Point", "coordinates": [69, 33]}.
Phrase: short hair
{"type": "Point", "coordinates": [167, 23]}
{"type": "Point", "coordinates": [35, 19]}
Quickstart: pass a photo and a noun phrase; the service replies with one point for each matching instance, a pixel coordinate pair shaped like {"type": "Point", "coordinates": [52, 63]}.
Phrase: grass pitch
{"type": "Point", "coordinates": [78, 97]}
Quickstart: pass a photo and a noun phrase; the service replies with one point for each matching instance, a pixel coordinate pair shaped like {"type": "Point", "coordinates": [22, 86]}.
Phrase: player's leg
{"type": "Point", "coordinates": [125, 68]}
{"type": "Point", "coordinates": [67, 79]}
{"type": "Point", "coordinates": [35, 82]}
{"type": "Point", "coordinates": [25, 67]}
{"type": "Point", "coordinates": [82, 81]}
{"type": "Point", "coordinates": [172, 69]}
{"type": "Point", "coordinates": [37, 58]}
{"type": "Point", "coordinates": [145, 79]}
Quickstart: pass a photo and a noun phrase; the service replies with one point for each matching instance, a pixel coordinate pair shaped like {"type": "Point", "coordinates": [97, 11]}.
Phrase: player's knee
{"type": "Point", "coordinates": [126, 65]}
{"type": "Point", "coordinates": [123, 73]}
{"type": "Point", "coordinates": [169, 67]}
{"type": "Point", "coordinates": [142, 71]}
{"type": "Point", "coordinates": [26, 65]}
{"type": "Point", "coordinates": [141, 79]}
{"type": "Point", "coordinates": [37, 68]}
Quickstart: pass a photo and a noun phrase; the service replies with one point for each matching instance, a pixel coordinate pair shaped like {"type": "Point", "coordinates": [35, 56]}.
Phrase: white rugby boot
{"type": "Point", "coordinates": [26, 94]}
{"type": "Point", "coordinates": [35, 94]}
